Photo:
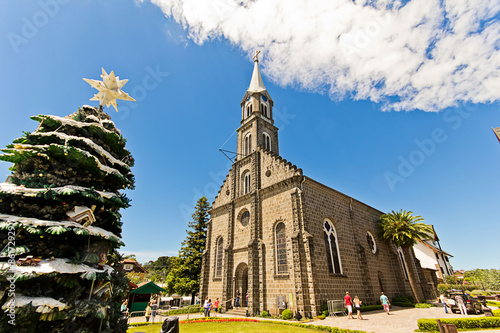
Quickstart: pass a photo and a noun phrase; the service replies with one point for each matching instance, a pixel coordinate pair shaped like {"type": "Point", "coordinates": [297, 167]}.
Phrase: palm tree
{"type": "Point", "coordinates": [404, 230]}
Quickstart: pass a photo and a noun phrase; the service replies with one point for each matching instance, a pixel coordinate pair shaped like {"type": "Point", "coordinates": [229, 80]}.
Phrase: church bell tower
{"type": "Point", "coordinates": [257, 124]}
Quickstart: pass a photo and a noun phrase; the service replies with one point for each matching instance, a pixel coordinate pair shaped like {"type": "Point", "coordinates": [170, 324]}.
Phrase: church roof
{"type": "Point", "coordinates": [256, 84]}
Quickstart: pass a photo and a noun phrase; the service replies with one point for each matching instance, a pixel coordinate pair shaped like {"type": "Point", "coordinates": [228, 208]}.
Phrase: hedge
{"type": "Point", "coordinates": [372, 308]}
{"type": "Point", "coordinates": [315, 327]}
{"type": "Point", "coordinates": [493, 303]}
{"type": "Point", "coordinates": [430, 325]}
{"type": "Point", "coordinates": [404, 304]}
{"type": "Point", "coordinates": [191, 309]}
{"type": "Point", "coordinates": [423, 305]}
{"type": "Point", "coordinates": [443, 287]}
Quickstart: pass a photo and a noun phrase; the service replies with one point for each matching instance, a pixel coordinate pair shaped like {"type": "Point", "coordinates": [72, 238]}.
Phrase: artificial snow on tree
{"type": "Point", "coordinates": [60, 226]}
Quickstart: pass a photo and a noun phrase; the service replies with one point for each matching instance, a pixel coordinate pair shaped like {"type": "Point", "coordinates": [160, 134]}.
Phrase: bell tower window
{"type": "Point", "coordinates": [263, 108]}
{"type": "Point", "coordinates": [249, 110]}
{"type": "Point", "coordinates": [247, 148]}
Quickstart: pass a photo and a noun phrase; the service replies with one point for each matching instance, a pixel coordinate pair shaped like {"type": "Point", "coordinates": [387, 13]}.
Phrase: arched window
{"type": "Point", "coordinates": [403, 261]}
{"type": "Point", "coordinates": [267, 141]}
{"type": "Point", "coordinates": [247, 149]}
{"type": "Point", "coordinates": [218, 257]}
{"type": "Point", "coordinates": [263, 109]}
{"type": "Point", "coordinates": [332, 248]}
{"type": "Point", "coordinates": [281, 262]}
{"type": "Point", "coordinates": [249, 109]}
{"type": "Point", "coordinates": [246, 183]}
{"type": "Point", "coordinates": [371, 242]}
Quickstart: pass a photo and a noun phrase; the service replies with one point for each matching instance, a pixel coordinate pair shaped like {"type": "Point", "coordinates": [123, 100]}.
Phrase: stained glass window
{"type": "Point", "coordinates": [281, 262]}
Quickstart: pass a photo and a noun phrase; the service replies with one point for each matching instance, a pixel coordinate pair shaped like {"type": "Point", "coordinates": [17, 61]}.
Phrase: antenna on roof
{"type": "Point", "coordinates": [224, 151]}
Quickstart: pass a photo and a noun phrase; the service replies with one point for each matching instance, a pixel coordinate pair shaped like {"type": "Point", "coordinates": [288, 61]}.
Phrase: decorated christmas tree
{"type": "Point", "coordinates": [60, 224]}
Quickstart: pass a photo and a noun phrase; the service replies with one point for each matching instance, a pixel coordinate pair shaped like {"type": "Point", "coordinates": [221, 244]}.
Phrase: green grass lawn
{"type": "Point", "coordinates": [237, 327]}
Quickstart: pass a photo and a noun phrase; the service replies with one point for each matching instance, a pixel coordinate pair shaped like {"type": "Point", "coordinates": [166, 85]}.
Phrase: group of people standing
{"type": "Point", "coordinates": [459, 301]}
{"type": "Point", "coordinates": [349, 302]}
{"type": "Point", "coordinates": [208, 306]}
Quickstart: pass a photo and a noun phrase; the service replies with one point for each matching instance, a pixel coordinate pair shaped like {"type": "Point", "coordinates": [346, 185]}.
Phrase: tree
{"type": "Point", "coordinates": [484, 278]}
{"type": "Point", "coordinates": [61, 205]}
{"type": "Point", "coordinates": [404, 230]}
{"type": "Point", "coordinates": [184, 277]}
{"type": "Point", "coordinates": [159, 269]}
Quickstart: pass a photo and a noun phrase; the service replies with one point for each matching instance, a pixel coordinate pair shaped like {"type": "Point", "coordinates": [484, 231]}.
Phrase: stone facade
{"type": "Point", "coordinates": [275, 232]}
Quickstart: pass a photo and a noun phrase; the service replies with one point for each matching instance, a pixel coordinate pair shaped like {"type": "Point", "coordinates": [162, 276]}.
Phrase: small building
{"type": "Point", "coordinates": [175, 301]}
{"type": "Point", "coordinates": [130, 265]}
{"type": "Point", "coordinates": [142, 295]}
{"type": "Point", "coordinates": [434, 261]}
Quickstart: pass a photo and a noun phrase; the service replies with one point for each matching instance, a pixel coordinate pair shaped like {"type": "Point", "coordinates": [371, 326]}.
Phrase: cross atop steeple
{"type": "Point", "coordinates": [255, 57]}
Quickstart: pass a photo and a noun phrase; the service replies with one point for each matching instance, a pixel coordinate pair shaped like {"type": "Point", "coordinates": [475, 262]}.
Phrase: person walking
{"type": "Point", "coordinates": [209, 306]}
{"type": "Point", "coordinates": [357, 306]}
{"type": "Point", "coordinates": [205, 307]}
{"type": "Point", "coordinates": [124, 307]}
{"type": "Point", "coordinates": [461, 305]}
{"type": "Point", "coordinates": [147, 313]}
{"type": "Point", "coordinates": [444, 300]}
{"type": "Point", "coordinates": [348, 305]}
{"type": "Point", "coordinates": [154, 307]}
{"type": "Point", "coordinates": [385, 302]}
{"type": "Point", "coordinates": [216, 306]}
{"type": "Point", "coordinates": [247, 300]}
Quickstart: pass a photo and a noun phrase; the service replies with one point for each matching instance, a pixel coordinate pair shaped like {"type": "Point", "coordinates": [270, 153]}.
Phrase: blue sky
{"type": "Point", "coordinates": [393, 128]}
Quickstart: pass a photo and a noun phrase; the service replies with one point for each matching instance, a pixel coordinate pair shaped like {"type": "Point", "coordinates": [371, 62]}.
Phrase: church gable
{"type": "Point", "coordinates": [275, 169]}
{"type": "Point", "coordinates": [224, 195]}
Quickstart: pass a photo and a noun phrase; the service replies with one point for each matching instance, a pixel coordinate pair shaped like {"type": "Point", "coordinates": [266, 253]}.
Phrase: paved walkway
{"type": "Point", "coordinates": [400, 320]}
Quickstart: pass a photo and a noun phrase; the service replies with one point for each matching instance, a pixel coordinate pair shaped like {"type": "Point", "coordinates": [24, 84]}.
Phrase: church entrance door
{"type": "Point", "coordinates": [241, 282]}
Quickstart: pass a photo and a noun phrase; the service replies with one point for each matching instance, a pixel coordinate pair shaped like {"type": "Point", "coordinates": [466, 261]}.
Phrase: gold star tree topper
{"type": "Point", "coordinates": [109, 89]}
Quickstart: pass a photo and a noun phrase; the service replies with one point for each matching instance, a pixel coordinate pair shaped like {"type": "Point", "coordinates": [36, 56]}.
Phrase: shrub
{"type": "Point", "coordinates": [321, 317]}
{"type": "Point", "coordinates": [263, 314]}
{"type": "Point", "coordinates": [423, 305]}
{"type": "Point", "coordinates": [496, 313]}
{"type": "Point", "coordinates": [461, 323]}
{"type": "Point", "coordinates": [371, 308]}
{"type": "Point", "coordinates": [443, 287]}
{"type": "Point", "coordinates": [286, 314]}
{"type": "Point", "coordinates": [493, 303]}
{"type": "Point", "coordinates": [324, 306]}
{"type": "Point", "coordinates": [184, 310]}
{"type": "Point", "coordinates": [404, 304]}
{"type": "Point", "coordinates": [403, 299]}
{"type": "Point", "coordinates": [325, 313]}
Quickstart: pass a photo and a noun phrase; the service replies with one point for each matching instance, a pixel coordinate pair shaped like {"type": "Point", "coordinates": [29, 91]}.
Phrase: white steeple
{"type": "Point", "coordinates": [256, 84]}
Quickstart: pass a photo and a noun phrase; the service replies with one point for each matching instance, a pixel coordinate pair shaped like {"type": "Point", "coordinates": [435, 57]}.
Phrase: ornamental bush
{"type": "Point", "coordinates": [286, 314]}
{"type": "Point", "coordinates": [443, 287]}
{"type": "Point", "coordinates": [371, 308]}
{"type": "Point", "coordinates": [461, 323]}
{"type": "Point", "coordinates": [264, 314]}
{"type": "Point", "coordinates": [423, 305]}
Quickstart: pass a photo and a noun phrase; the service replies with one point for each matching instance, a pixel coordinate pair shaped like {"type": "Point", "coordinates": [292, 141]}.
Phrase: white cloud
{"type": "Point", "coordinates": [424, 54]}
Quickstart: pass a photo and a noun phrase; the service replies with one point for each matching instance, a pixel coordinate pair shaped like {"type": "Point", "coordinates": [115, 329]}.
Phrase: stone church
{"type": "Point", "coordinates": [278, 234]}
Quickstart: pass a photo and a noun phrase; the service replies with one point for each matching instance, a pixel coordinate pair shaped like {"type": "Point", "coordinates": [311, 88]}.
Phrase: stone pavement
{"type": "Point", "coordinates": [400, 320]}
